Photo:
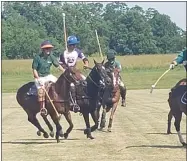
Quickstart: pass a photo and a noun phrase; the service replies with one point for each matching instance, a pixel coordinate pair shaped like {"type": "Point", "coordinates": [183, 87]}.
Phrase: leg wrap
{"type": "Point", "coordinates": [41, 95]}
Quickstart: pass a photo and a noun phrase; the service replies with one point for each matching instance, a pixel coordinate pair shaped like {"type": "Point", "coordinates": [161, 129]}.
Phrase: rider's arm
{"type": "Point", "coordinates": [35, 73]}
{"type": "Point", "coordinates": [56, 63]}
{"type": "Point", "coordinates": [34, 67]}
{"type": "Point", "coordinates": [82, 56]}
{"type": "Point", "coordinates": [118, 66]}
{"type": "Point", "coordinates": [179, 59]}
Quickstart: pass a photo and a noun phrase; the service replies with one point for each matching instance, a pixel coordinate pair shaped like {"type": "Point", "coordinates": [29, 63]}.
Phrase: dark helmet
{"type": "Point", "coordinates": [111, 54]}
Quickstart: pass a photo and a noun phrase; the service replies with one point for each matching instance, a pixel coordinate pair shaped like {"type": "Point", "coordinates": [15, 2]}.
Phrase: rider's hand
{"type": "Point", "coordinates": [85, 66]}
{"type": "Point", "coordinates": [172, 66]}
{"type": "Point", "coordinates": [40, 82]}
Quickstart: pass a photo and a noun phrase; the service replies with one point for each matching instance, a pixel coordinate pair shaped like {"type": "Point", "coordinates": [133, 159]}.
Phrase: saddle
{"type": "Point", "coordinates": [33, 90]}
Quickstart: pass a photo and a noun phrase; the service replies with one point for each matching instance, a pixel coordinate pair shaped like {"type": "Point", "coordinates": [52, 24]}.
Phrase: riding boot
{"type": "Point", "coordinates": [123, 95]}
{"type": "Point", "coordinates": [41, 100]}
{"type": "Point", "coordinates": [73, 103]}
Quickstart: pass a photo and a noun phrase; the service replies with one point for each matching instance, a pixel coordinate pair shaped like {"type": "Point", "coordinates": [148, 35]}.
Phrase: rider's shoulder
{"type": "Point", "coordinates": [79, 51]}
{"type": "Point", "coordinates": [37, 56]}
{"type": "Point", "coordinates": [117, 62]}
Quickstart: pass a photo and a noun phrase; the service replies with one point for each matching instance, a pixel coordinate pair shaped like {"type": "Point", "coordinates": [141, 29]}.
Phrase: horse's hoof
{"type": "Point", "coordinates": [90, 136]}
{"type": "Point", "coordinates": [61, 134]}
{"type": "Point", "coordinates": [109, 130]}
{"type": "Point", "coordinates": [85, 131]}
{"type": "Point", "coordinates": [100, 129]}
{"type": "Point", "coordinates": [184, 144]}
{"type": "Point", "coordinates": [123, 104]}
{"type": "Point", "coordinates": [38, 133]}
{"type": "Point", "coordinates": [169, 132]}
{"type": "Point", "coordinates": [52, 134]}
{"type": "Point", "coordinates": [65, 135]}
{"type": "Point", "coordinates": [46, 135]}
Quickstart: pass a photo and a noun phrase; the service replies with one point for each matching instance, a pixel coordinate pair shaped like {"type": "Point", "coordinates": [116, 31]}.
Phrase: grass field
{"type": "Point", "coordinates": [138, 134]}
{"type": "Point", "coordinates": [139, 72]}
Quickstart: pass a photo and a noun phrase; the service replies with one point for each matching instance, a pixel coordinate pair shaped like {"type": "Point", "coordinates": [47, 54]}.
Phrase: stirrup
{"type": "Point", "coordinates": [43, 111]}
{"type": "Point", "coordinates": [76, 108]}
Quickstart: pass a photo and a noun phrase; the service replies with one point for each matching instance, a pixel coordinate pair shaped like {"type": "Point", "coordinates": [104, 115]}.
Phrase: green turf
{"type": "Point", "coordinates": [133, 78]}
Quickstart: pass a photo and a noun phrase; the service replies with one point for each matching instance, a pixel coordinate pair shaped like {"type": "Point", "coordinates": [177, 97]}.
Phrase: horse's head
{"type": "Point", "coordinates": [101, 72]}
{"type": "Point", "coordinates": [73, 75]}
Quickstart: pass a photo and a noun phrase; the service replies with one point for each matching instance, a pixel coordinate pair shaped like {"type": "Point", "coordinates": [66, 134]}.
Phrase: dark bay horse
{"type": "Point", "coordinates": [111, 97]}
{"type": "Point", "coordinates": [178, 105]}
{"type": "Point", "coordinates": [59, 93]}
{"type": "Point", "coordinates": [87, 95]}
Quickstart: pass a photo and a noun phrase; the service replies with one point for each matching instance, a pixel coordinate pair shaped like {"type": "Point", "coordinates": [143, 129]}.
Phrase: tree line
{"type": "Point", "coordinates": [127, 30]}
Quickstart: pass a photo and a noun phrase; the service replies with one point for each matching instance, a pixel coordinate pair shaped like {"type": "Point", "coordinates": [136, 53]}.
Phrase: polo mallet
{"type": "Point", "coordinates": [64, 23]}
{"type": "Point", "coordinates": [98, 44]}
{"type": "Point", "coordinates": [154, 85]}
{"type": "Point", "coordinates": [58, 115]}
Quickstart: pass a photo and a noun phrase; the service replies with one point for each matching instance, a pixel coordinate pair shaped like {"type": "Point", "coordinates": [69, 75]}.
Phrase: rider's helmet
{"type": "Point", "coordinates": [46, 44]}
{"type": "Point", "coordinates": [72, 40]}
{"type": "Point", "coordinates": [111, 55]}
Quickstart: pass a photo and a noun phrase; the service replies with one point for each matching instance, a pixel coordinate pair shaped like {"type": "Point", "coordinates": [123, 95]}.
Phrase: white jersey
{"type": "Point", "coordinates": [70, 58]}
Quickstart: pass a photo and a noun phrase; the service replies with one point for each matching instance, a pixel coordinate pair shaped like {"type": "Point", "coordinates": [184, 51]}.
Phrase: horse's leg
{"type": "Point", "coordinates": [178, 117]}
{"type": "Point", "coordinates": [170, 115]}
{"type": "Point", "coordinates": [103, 118]}
{"type": "Point", "coordinates": [58, 126]}
{"type": "Point", "coordinates": [32, 118]}
{"type": "Point", "coordinates": [98, 114]}
{"type": "Point", "coordinates": [123, 92]}
{"type": "Point", "coordinates": [111, 116]}
{"type": "Point", "coordinates": [69, 120]}
{"type": "Point", "coordinates": [88, 129]}
{"type": "Point", "coordinates": [94, 115]}
{"type": "Point", "coordinates": [49, 125]}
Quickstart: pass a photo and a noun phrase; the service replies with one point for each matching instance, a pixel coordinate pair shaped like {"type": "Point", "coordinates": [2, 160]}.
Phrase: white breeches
{"type": "Point", "coordinates": [42, 80]}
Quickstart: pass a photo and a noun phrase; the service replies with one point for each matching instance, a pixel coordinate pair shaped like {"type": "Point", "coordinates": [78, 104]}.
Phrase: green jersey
{"type": "Point", "coordinates": [182, 58]}
{"type": "Point", "coordinates": [42, 63]}
{"type": "Point", "coordinates": [116, 64]}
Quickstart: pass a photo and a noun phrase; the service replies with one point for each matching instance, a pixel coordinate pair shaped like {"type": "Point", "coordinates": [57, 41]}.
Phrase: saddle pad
{"type": "Point", "coordinates": [32, 91]}
{"type": "Point", "coordinates": [184, 98]}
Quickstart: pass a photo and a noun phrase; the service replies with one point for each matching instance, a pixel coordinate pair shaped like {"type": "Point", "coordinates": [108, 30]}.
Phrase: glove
{"type": "Point", "coordinates": [40, 82]}
{"type": "Point", "coordinates": [172, 66]}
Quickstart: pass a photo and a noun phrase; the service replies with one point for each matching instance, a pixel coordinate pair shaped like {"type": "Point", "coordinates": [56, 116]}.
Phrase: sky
{"type": "Point", "coordinates": [176, 10]}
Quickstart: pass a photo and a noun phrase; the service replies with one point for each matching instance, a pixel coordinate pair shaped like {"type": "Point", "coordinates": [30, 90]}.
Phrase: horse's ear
{"type": "Point", "coordinates": [95, 62]}
{"type": "Point", "coordinates": [103, 61]}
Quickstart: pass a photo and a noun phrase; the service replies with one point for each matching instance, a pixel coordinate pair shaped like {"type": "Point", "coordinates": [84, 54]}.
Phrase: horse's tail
{"type": "Point", "coordinates": [21, 93]}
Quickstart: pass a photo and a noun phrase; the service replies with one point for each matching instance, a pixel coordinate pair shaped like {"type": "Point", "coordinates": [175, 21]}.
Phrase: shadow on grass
{"type": "Point", "coordinates": [26, 142]}
{"type": "Point", "coordinates": [158, 146]}
{"type": "Point", "coordinates": [163, 133]}
{"type": "Point", "coordinates": [97, 130]}
{"type": "Point", "coordinates": [36, 141]}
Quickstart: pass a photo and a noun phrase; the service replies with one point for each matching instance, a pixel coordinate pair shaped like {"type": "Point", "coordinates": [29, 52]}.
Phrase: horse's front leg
{"type": "Point", "coordinates": [88, 129]}
{"type": "Point", "coordinates": [69, 120]}
{"type": "Point", "coordinates": [103, 118]}
{"type": "Point", "coordinates": [59, 132]}
{"type": "Point", "coordinates": [95, 116]}
{"type": "Point", "coordinates": [111, 116]}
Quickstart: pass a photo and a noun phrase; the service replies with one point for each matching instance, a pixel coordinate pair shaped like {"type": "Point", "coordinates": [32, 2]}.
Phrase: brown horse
{"type": "Point", "coordinates": [112, 92]}
{"type": "Point", "coordinates": [178, 105]}
{"type": "Point", "coordinates": [59, 94]}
